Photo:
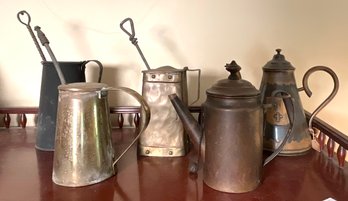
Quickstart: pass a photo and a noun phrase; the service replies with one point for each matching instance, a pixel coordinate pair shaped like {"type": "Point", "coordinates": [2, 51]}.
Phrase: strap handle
{"type": "Point", "coordinates": [198, 83]}
{"type": "Point", "coordinates": [100, 65]}
{"type": "Point", "coordinates": [144, 115]}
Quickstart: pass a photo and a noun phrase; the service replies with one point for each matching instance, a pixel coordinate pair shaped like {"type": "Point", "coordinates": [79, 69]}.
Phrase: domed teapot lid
{"type": "Point", "coordinates": [234, 85]}
{"type": "Point", "coordinates": [278, 63]}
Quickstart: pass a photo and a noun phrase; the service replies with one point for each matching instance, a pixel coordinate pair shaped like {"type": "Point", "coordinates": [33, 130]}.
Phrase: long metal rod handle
{"type": "Point", "coordinates": [44, 41]}
{"type": "Point", "coordinates": [27, 24]}
{"type": "Point", "coordinates": [145, 115]}
{"type": "Point", "coordinates": [309, 92]}
{"type": "Point", "coordinates": [134, 40]}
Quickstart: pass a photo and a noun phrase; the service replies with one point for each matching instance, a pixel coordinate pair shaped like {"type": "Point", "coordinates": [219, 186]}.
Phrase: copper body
{"type": "Point", "coordinates": [231, 136]}
{"type": "Point", "coordinates": [83, 148]}
{"type": "Point", "coordinates": [233, 156]}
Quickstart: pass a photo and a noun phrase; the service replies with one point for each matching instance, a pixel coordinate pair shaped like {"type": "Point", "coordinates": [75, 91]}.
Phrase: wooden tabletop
{"type": "Point", "coordinates": [26, 174]}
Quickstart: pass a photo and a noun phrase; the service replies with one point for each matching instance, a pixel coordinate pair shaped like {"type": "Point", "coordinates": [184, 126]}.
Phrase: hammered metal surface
{"type": "Point", "coordinates": [164, 135]}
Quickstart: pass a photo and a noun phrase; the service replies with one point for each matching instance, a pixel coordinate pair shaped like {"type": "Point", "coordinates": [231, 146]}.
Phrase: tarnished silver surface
{"type": "Point", "coordinates": [164, 136]}
{"type": "Point", "coordinates": [83, 147]}
{"type": "Point", "coordinates": [278, 75]}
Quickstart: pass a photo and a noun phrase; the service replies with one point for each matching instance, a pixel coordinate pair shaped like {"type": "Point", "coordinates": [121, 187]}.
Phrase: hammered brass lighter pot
{"type": "Point", "coordinates": [231, 135]}
{"type": "Point", "coordinates": [165, 137]}
{"type": "Point", "coordinates": [84, 153]}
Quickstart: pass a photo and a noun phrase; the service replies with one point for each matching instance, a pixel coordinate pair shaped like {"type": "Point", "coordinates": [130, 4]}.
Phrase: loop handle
{"type": "Point", "coordinates": [198, 83]}
{"type": "Point", "coordinates": [133, 39]}
{"type": "Point", "coordinates": [23, 12]}
{"type": "Point", "coordinates": [132, 33]}
{"type": "Point", "coordinates": [27, 24]}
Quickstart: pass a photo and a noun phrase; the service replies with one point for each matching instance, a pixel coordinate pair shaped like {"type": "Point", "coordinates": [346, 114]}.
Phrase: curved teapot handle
{"type": "Point", "coordinates": [289, 105]}
{"type": "Point", "coordinates": [144, 114]}
{"type": "Point", "coordinates": [100, 65]}
{"type": "Point", "coordinates": [309, 92]}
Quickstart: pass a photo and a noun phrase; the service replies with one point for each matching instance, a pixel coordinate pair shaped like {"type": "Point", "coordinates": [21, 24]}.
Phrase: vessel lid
{"type": "Point", "coordinates": [234, 85]}
{"type": "Point", "coordinates": [82, 86]}
{"type": "Point", "coordinates": [278, 63]}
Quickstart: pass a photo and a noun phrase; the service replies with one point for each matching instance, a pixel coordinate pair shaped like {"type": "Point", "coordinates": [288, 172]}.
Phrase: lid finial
{"type": "Point", "coordinates": [279, 56]}
{"type": "Point", "coordinates": [278, 63]}
{"type": "Point", "coordinates": [278, 51]}
{"type": "Point", "coordinates": [234, 69]}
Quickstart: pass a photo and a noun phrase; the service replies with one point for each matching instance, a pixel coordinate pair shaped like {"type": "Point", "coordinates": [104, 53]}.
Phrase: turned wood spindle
{"type": "Point", "coordinates": [341, 155]}
{"type": "Point", "coordinates": [120, 120]}
{"type": "Point", "coordinates": [7, 120]}
{"type": "Point", "coordinates": [330, 147]}
{"type": "Point", "coordinates": [136, 120]}
{"type": "Point", "coordinates": [321, 140]}
{"type": "Point", "coordinates": [23, 120]}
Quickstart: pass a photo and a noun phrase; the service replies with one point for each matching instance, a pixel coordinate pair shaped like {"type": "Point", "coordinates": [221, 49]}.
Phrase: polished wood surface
{"type": "Point", "coordinates": [25, 174]}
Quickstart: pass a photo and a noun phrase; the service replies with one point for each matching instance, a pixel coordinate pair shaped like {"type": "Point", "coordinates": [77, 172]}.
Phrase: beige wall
{"type": "Point", "coordinates": [202, 34]}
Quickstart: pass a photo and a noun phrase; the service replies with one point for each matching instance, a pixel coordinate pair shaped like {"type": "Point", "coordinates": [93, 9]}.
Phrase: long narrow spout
{"type": "Point", "coordinates": [191, 126]}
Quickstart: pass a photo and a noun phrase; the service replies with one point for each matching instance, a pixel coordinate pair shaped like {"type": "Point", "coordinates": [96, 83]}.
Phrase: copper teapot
{"type": "Point", "coordinates": [230, 138]}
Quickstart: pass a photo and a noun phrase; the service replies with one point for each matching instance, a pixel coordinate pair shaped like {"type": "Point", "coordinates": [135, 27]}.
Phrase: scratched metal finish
{"type": "Point", "coordinates": [164, 136]}
{"type": "Point", "coordinates": [83, 150]}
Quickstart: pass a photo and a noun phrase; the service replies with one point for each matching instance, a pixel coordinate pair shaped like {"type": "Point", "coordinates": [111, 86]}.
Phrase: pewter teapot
{"type": "Point", "coordinates": [230, 138]}
{"type": "Point", "coordinates": [278, 75]}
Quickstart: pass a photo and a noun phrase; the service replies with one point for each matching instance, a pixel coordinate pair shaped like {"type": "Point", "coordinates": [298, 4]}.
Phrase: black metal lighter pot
{"type": "Point", "coordinates": [46, 126]}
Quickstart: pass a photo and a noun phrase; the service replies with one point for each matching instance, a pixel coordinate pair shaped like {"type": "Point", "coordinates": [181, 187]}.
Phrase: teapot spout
{"type": "Point", "coordinates": [190, 124]}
